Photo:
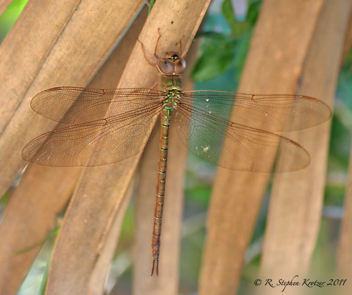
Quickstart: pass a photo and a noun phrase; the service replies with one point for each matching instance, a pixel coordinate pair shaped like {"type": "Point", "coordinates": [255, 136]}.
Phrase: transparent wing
{"type": "Point", "coordinates": [237, 147]}
{"type": "Point", "coordinates": [74, 105]}
{"type": "Point", "coordinates": [94, 143]}
{"type": "Point", "coordinates": [266, 112]}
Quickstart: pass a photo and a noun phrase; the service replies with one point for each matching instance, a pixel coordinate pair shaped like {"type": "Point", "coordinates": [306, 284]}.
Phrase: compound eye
{"type": "Point", "coordinates": [180, 66]}
{"type": "Point", "coordinates": [166, 67]}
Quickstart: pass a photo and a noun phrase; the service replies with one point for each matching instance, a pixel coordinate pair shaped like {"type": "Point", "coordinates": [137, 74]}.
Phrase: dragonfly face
{"type": "Point", "coordinates": [172, 64]}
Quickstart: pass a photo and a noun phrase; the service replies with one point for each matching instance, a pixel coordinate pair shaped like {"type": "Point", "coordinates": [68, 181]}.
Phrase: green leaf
{"type": "Point", "coordinates": [10, 15]}
{"type": "Point", "coordinates": [216, 58]}
{"type": "Point", "coordinates": [240, 28]}
{"type": "Point", "coordinates": [253, 11]}
{"type": "Point", "coordinates": [228, 12]}
{"type": "Point", "coordinates": [151, 4]}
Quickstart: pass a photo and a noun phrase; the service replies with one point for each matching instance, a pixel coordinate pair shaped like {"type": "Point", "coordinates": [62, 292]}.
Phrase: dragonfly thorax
{"type": "Point", "coordinates": [170, 82]}
{"type": "Point", "coordinates": [173, 97]}
{"type": "Point", "coordinates": [171, 64]}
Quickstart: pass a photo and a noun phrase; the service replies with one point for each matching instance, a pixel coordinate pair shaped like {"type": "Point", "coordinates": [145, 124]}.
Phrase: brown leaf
{"type": "Point", "coordinates": [52, 44]}
{"type": "Point", "coordinates": [43, 178]}
{"type": "Point", "coordinates": [348, 41]}
{"type": "Point", "coordinates": [98, 276]}
{"type": "Point", "coordinates": [110, 71]}
{"type": "Point", "coordinates": [297, 198]}
{"type": "Point", "coordinates": [101, 189]}
{"type": "Point", "coordinates": [3, 5]}
{"type": "Point", "coordinates": [276, 58]}
{"type": "Point", "coordinates": [29, 216]}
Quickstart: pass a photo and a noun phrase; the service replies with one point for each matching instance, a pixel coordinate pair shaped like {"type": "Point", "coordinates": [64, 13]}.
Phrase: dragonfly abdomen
{"type": "Point", "coordinates": [166, 114]}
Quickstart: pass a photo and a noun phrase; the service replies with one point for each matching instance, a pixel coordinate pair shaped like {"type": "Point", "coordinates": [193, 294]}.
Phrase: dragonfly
{"type": "Point", "coordinates": [232, 130]}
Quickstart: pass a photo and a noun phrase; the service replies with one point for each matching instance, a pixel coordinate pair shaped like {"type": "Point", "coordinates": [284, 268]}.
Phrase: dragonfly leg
{"type": "Point", "coordinates": [156, 45]}
{"type": "Point", "coordinates": [183, 56]}
{"type": "Point", "coordinates": [154, 85]}
{"type": "Point", "coordinates": [149, 62]}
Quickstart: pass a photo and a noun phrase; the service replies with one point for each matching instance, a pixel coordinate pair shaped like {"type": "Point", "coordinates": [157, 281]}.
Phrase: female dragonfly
{"type": "Point", "coordinates": [108, 126]}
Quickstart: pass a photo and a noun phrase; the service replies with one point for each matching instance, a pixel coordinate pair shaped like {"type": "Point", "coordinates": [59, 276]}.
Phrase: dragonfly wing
{"type": "Point", "coordinates": [235, 146]}
{"type": "Point", "coordinates": [266, 112]}
{"type": "Point", "coordinates": [74, 105]}
{"type": "Point", "coordinates": [94, 143]}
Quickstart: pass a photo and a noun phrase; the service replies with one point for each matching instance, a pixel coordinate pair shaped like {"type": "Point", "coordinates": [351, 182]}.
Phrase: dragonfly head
{"type": "Point", "coordinates": [171, 64]}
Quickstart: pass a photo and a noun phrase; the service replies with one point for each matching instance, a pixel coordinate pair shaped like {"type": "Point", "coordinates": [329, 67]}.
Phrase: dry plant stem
{"type": "Point", "coordinates": [278, 48]}
{"type": "Point", "coordinates": [29, 216]}
{"type": "Point", "coordinates": [108, 78]}
{"type": "Point", "coordinates": [101, 189]}
{"type": "Point", "coordinates": [51, 44]}
{"type": "Point", "coordinates": [3, 5]}
{"type": "Point", "coordinates": [49, 189]}
{"type": "Point", "coordinates": [98, 276]}
{"type": "Point", "coordinates": [144, 212]}
{"type": "Point", "coordinates": [297, 198]}
{"type": "Point", "coordinates": [348, 40]}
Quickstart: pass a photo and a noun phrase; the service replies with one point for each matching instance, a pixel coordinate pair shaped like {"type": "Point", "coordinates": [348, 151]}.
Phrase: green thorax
{"type": "Point", "coordinates": [172, 85]}
{"type": "Point", "coordinates": [170, 82]}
